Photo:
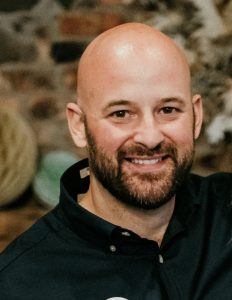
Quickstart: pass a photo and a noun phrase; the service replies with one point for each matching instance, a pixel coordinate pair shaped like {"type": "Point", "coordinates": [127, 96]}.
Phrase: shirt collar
{"type": "Point", "coordinates": [94, 228]}
{"type": "Point", "coordinates": [82, 221]}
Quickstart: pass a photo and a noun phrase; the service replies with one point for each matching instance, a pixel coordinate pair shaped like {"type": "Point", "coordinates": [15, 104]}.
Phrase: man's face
{"type": "Point", "coordinates": [140, 127]}
{"type": "Point", "coordinates": [136, 181]}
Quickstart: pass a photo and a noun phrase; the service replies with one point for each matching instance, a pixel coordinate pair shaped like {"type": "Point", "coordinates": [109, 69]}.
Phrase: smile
{"type": "Point", "coordinates": [146, 161]}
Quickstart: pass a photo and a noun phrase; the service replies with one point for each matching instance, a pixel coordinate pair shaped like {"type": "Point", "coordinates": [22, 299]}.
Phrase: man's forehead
{"type": "Point", "coordinates": [132, 49]}
{"type": "Point", "coordinates": [126, 39]}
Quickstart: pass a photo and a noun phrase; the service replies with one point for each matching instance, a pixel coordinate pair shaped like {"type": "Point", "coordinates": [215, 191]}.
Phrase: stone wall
{"type": "Point", "coordinates": [42, 40]}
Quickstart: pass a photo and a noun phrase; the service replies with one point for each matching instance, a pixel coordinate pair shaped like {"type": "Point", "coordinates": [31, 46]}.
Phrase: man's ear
{"type": "Point", "coordinates": [198, 114]}
{"type": "Point", "coordinates": [76, 124]}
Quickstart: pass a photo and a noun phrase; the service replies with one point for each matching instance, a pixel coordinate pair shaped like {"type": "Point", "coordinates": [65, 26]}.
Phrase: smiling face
{"type": "Point", "coordinates": [139, 119]}
{"type": "Point", "coordinates": [136, 175]}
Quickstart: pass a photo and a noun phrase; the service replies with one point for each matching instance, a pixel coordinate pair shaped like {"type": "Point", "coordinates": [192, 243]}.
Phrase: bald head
{"type": "Point", "coordinates": [134, 101]}
{"type": "Point", "coordinates": [134, 48]}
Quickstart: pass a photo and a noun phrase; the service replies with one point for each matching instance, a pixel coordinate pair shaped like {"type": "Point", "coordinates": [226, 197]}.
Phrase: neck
{"type": "Point", "coordinates": [150, 224]}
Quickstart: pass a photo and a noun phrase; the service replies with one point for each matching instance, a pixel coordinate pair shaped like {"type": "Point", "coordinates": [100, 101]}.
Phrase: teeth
{"type": "Point", "coordinates": [146, 161]}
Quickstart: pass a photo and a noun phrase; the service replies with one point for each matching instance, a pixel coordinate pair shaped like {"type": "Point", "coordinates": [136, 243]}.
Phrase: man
{"type": "Point", "coordinates": [145, 228]}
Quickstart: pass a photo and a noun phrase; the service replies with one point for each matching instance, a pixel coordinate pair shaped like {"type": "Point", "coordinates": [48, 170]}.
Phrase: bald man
{"type": "Point", "coordinates": [145, 228]}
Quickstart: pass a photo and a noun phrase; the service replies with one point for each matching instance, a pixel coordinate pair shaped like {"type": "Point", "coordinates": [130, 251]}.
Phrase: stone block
{"type": "Point", "coordinates": [68, 77]}
{"type": "Point", "coordinates": [67, 51]}
{"type": "Point", "coordinates": [213, 25]}
{"type": "Point", "coordinates": [14, 48]}
{"type": "Point", "coordinates": [44, 108]}
{"type": "Point", "coordinates": [81, 24]}
{"type": "Point", "coordinates": [89, 23]}
{"type": "Point", "coordinates": [66, 3]}
{"type": "Point", "coordinates": [110, 20]}
{"type": "Point", "coordinates": [110, 2]}
{"type": "Point", "coordinates": [14, 5]}
{"type": "Point", "coordinates": [85, 4]}
{"type": "Point", "coordinates": [24, 80]}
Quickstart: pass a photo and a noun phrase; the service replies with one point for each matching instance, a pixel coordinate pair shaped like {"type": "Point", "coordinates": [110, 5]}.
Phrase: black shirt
{"type": "Point", "coordinates": [73, 254]}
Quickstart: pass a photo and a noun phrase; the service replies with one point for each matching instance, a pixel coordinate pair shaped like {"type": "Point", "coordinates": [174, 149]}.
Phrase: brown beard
{"type": "Point", "coordinates": [144, 191]}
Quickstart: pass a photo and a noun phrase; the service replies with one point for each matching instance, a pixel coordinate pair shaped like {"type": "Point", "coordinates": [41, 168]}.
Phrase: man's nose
{"type": "Point", "coordinates": [148, 133]}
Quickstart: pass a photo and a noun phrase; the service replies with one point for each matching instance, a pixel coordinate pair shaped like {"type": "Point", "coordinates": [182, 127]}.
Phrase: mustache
{"type": "Point", "coordinates": [140, 150]}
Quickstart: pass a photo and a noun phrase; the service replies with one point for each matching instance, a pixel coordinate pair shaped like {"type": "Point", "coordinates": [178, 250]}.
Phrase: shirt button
{"type": "Point", "coordinates": [112, 248]}
{"type": "Point", "coordinates": [161, 259]}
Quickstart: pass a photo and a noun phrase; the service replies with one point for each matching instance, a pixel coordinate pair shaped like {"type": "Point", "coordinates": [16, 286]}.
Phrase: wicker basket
{"type": "Point", "coordinates": [18, 155]}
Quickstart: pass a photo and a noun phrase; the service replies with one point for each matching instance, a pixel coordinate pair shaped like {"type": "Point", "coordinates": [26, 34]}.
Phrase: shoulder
{"type": "Point", "coordinates": [215, 188]}
{"type": "Point", "coordinates": [35, 237]}
{"type": "Point", "coordinates": [213, 181]}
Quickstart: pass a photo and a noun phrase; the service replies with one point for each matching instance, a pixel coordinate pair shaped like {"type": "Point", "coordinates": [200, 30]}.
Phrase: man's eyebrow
{"type": "Point", "coordinates": [172, 99]}
{"type": "Point", "coordinates": [117, 102]}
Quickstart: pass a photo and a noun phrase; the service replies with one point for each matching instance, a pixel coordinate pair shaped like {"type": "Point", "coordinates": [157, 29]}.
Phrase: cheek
{"type": "Point", "coordinates": [108, 137]}
{"type": "Point", "coordinates": [181, 133]}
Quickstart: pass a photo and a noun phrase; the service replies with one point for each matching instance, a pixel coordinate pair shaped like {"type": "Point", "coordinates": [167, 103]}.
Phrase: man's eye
{"type": "Point", "coordinates": [120, 114]}
{"type": "Point", "coordinates": [168, 110]}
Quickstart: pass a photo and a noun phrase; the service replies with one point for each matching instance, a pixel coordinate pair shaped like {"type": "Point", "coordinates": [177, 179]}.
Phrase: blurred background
{"type": "Point", "coordinates": [40, 44]}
